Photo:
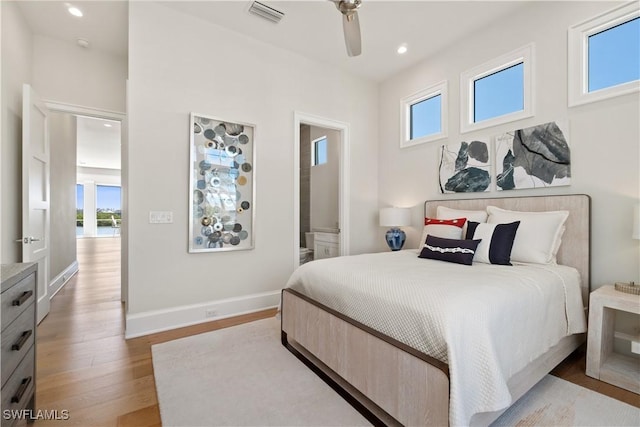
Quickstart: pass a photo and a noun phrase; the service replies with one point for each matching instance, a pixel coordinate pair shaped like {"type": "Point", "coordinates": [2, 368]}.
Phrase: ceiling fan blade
{"type": "Point", "coordinates": [352, 39]}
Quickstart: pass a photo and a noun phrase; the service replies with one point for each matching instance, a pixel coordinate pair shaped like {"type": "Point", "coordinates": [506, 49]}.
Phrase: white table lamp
{"type": "Point", "coordinates": [395, 218]}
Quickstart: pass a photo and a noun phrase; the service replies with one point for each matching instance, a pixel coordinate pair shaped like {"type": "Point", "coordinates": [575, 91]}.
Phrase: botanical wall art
{"type": "Point", "coordinates": [221, 185]}
{"type": "Point", "coordinates": [538, 156]}
{"type": "Point", "coordinates": [465, 167]}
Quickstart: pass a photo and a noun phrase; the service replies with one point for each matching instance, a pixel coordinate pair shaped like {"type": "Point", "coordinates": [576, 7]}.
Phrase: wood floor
{"type": "Point", "coordinates": [85, 366]}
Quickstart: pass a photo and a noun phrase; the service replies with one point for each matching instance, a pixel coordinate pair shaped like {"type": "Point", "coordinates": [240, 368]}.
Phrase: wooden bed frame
{"type": "Point", "coordinates": [393, 384]}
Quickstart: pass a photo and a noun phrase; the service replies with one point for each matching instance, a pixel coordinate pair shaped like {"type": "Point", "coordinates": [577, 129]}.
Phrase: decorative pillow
{"type": "Point", "coordinates": [450, 250]}
{"type": "Point", "coordinates": [496, 241]}
{"type": "Point", "coordinates": [539, 234]}
{"type": "Point", "coordinates": [445, 228]}
{"type": "Point", "coordinates": [444, 212]}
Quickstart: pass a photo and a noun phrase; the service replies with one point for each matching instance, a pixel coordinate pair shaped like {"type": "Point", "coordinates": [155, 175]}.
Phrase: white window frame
{"type": "Point", "coordinates": [578, 51]}
{"type": "Point", "coordinates": [405, 114]}
{"type": "Point", "coordinates": [313, 151]}
{"type": "Point", "coordinates": [524, 55]}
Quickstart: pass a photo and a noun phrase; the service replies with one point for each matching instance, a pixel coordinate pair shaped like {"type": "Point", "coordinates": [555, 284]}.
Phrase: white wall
{"type": "Point", "coordinates": [180, 64]}
{"type": "Point", "coordinates": [62, 136]}
{"type": "Point", "coordinates": [16, 70]}
{"type": "Point", "coordinates": [1, 126]}
{"type": "Point", "coordinates": [65, 72]}
{"type": "Point", "coordinates": [603, 136]}
{"type": "Point", "coordinates": [325, 181]}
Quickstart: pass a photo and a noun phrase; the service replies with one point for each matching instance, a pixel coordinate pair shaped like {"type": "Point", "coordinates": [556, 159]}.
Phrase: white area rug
{"type": "Point", "coordinates": [556, 402]}
{"type": "Point", "coordinates": [243, 376]}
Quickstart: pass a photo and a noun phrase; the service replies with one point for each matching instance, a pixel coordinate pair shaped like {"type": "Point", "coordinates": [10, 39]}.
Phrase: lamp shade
{"type": "Point", "coordinates": [635, 234]}
{"type": "Point", "coordinates": [395, 217]}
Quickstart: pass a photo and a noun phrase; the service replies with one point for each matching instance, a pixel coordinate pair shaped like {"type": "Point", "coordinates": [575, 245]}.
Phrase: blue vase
{"type": "Point", "coordinates": [395, 239]}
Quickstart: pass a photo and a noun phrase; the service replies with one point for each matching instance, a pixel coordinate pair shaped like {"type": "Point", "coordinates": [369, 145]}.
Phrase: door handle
{"type": "Point", "coordinates": [27, 240]}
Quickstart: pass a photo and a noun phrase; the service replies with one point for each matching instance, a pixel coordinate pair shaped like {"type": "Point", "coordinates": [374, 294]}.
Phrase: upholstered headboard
{"type": "Point", "coordinates": [575, 248]}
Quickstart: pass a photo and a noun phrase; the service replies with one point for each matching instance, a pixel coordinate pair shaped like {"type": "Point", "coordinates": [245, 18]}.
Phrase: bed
{"type": "Point", "coordinates": [448, 366]}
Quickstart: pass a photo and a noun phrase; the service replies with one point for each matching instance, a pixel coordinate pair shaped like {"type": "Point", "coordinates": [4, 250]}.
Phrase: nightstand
{"type": "Point", "coordinates": [602, 362]}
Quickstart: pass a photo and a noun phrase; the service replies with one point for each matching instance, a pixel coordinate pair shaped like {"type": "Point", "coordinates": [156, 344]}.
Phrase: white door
{"type": "Point", "coordinates": [35, 191]}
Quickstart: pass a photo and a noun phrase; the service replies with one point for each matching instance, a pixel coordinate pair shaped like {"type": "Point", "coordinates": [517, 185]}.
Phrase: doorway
{"type": "Point", "coordinates": [323, 139]}
{"type": "Point", "coordinates": [98, 183]}
{"type": "Point", "coordinates": [101, 117]}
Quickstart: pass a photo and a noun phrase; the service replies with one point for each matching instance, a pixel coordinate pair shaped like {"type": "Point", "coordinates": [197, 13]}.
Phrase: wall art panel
{"type": "Point", "coordinates": [222, 184]}
{"type": "Point", "coordinates": [465, 167]}
{"type": "Point", "coordinates": [534, 157]}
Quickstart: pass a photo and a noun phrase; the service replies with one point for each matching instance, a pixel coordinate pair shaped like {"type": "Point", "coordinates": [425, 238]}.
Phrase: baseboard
{"type": "Point", "coordinates": [61, 279]}
{"type": "Point", "coordinates": [151, 322]}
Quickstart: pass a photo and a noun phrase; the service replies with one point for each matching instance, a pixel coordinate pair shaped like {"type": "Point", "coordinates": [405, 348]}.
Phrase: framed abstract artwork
{"type": "Point", "coordinates": [465, 167]}
{"type": "Point", "coordinates": [534, 157]}
{"type": "Point", "coordinates": [221, 185]}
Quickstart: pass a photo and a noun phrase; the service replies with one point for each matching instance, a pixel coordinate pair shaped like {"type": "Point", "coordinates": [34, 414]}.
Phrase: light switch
{"type": "Point", "coordinates": [160, 217]}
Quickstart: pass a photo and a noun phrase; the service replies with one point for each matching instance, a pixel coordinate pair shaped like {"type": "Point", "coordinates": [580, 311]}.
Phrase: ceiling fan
{"type": "Point", "coordinates": [350, 25]}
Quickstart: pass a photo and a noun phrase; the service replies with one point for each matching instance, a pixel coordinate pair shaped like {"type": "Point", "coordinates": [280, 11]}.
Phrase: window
{"type": "Point", "coordinates": [604, 56]}
{"type": "Point", "coordinates": [423, 115]}
{"type": "Point", "coordinates": [498, 91]}
{"type": "Point", "coordinates": [79, 210]}
{"type": "Point", "coordinates": [319, 151]}
{"type": "Point", "coordinates": [107, 205]}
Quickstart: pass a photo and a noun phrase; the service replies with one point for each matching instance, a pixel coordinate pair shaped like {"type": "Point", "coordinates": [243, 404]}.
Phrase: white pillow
{"type": "Point", "coordinates": [444, 212]}
{"type": "Point", "coordinates": [443, 228]}
{"type": "Point", "coordinates": [539, 234]}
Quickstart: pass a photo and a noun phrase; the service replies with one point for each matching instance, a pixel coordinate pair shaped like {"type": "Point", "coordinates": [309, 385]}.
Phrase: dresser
{"type": "Point", "coordinates": [18, 356]}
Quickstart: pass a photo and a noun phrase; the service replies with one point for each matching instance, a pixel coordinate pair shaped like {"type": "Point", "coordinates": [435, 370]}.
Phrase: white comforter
{"type": "Point", "coordinates": [486, 321]}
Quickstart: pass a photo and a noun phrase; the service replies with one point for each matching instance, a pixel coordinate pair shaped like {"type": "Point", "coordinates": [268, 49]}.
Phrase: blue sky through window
{"type": "Point", "coordinates": [426, 117]}
{"type": "Point", "coordinates": [499, 93]}
{"type": "Point", "coordinates": [79, 196]}
{"type": "Point", "coordinates": [614, 56]}
{"type": "Point", "coordinates": [108, 197]}
{"type": "Point", "coordinates": [320, 151]}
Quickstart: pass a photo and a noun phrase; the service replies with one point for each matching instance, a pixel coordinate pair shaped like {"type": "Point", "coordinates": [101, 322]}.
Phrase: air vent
{"type": "Point", "coordinates": [266, 12]}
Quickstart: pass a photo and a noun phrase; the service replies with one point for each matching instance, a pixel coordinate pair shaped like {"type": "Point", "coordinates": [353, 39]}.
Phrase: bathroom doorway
{"type": "Point", "coordinates": [321, 200]}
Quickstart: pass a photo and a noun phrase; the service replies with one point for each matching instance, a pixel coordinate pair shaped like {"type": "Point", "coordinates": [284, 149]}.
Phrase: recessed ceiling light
{"type": "Point", "coordinates": [402, 49]}
{"type": "Point", "coordinates": [107, 125]}
{"type": "Point", "coordinates": [74, 11]}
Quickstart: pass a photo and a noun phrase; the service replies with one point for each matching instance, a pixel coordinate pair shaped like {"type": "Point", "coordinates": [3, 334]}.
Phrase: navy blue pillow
{"type": "Point", "coordinates": [500, 239]}
{"type": "Point", "coordinates": [449, 250]}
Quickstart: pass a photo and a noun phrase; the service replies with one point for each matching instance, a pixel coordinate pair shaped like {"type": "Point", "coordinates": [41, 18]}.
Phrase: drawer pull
{"type": "Point", "coordinates": [23, 387]}
{"type": "Point", "coordinates": [25, 296]}
{"type": "Point", "coordinates": [23, 339]}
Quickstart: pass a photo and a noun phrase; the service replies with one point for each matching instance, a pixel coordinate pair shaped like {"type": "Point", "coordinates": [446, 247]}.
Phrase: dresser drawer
{"type": "Point", "coordinates": [17, 339]}
{"type": "Point", "coordinates": [16, 299]}
{"type": "Point", "coordinates": [20, 387]}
